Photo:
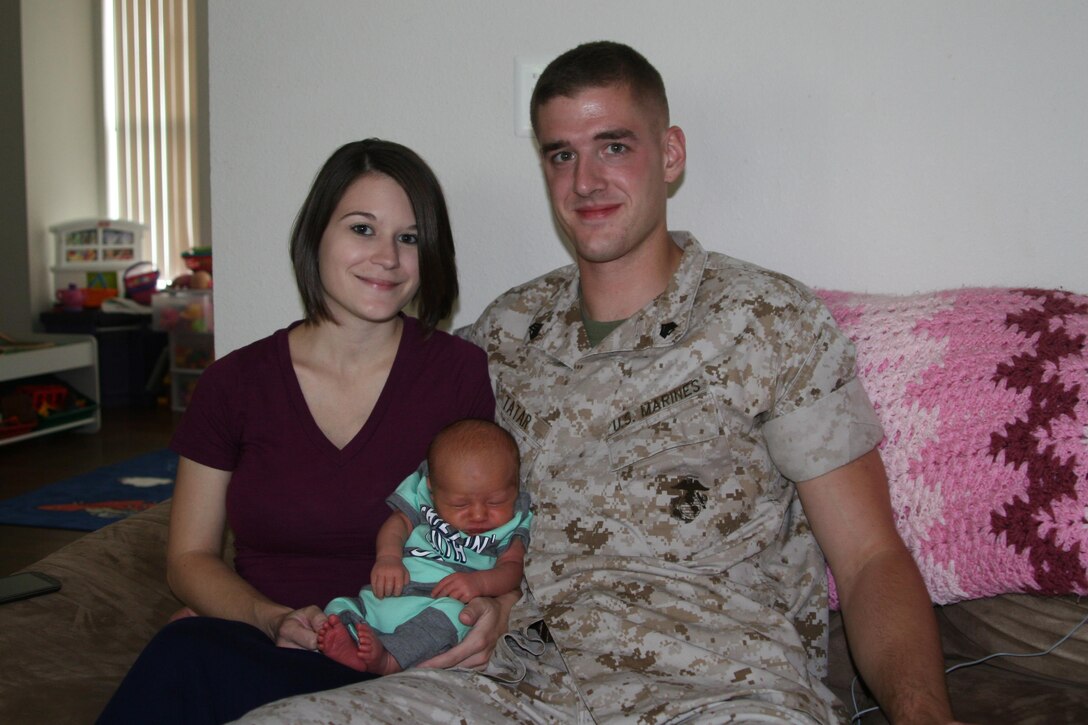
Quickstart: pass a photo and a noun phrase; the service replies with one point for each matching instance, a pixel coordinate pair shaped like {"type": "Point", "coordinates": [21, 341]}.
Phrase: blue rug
{"type": "Point", "coordinates": [91, 501]}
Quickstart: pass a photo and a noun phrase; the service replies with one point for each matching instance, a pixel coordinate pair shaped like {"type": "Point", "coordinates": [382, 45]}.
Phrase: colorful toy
{"type": "Point", "coordinates": [93, 297]}
{"type": "Point", "coordinates": [182, 311]}
{"type": "Point", "coordinates": [98, 244]}
{"type": "Point", "coordinates": [168, 318]}
{"type": "Point", "coordinates": [71, 299]}
{"type": "Point", "coordinates": [102, 280]}
{"type": "Point", "coordinates": [198, 259]}
{"type": "Point", "coordinates": [45, 396]}
{"type": "Point", "coordinates": [194, 315]}
{"type": "Point", "coordinates": [140, 283]}
{"type": "Point", "coordinates": [192, 357]}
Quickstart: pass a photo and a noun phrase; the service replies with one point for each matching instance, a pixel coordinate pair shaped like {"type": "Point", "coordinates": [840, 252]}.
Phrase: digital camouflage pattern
{"type": "Point", "coordinates": [671, 560]}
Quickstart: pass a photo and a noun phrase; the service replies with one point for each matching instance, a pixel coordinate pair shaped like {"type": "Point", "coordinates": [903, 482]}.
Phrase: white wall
{"type": "Point", "coordinates": [61, 120]}
{"type": "Point", "coordinates": [880, 146]}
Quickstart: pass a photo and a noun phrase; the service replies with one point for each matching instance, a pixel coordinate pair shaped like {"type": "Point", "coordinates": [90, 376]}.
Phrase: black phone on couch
{"type": "Point", "coordinates": [25, 585]}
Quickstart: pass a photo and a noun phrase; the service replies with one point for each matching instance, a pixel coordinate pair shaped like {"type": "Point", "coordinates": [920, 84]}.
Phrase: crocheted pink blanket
{"type": "Point", "coordinates": [983, 394]}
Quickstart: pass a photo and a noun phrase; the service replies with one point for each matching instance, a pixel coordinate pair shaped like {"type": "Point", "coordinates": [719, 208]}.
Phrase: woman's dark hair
{"type": "Point", "coordinates": [437, 267]}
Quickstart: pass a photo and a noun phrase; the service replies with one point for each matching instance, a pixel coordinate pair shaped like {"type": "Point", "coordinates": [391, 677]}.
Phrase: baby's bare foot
{"type": "Point", "coordinates": [335, 641]}
{"type": "Point", "coordinates": [373, 653]}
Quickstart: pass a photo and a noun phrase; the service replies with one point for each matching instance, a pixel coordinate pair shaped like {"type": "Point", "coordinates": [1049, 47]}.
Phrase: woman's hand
{"type": "Point", "coordinates": [298, 629]}
{"type": "Point", "coordinates": [489, 618]}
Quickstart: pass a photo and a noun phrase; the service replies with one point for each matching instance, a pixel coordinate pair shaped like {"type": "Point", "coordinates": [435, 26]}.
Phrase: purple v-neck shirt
{"type": "Point", "coordinates": [304, 513]}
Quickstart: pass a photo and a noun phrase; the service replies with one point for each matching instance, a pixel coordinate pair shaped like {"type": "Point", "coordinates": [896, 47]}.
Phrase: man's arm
{"type": "Point", "coordinates": [889, 620]}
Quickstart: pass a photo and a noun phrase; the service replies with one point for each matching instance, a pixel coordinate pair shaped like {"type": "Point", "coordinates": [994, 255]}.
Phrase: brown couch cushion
{"type": "Point", "coordinates": [65, 653]}
{"type": "Point", "coordinates": [1020, 623]}
{"type": "Point", "coordinates": [1044, 690]}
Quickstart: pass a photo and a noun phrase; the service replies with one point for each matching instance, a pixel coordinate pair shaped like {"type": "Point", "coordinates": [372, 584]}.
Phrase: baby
{"type": "Point", "coordinates": [458, 531]}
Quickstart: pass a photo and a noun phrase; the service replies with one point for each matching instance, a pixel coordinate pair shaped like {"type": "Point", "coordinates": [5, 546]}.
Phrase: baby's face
{"type": "Point", "coordinates": [474, 495]}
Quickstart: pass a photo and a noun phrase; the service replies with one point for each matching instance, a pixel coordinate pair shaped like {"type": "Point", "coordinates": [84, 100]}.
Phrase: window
{"type": "Point", "coordinates": [152, 126]}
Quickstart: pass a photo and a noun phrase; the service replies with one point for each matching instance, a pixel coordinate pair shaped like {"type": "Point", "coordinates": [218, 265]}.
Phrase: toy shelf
{"type": "Point", "coordinates": [73, 359]}
{"type": "Point", "coordinates": [98, 244]}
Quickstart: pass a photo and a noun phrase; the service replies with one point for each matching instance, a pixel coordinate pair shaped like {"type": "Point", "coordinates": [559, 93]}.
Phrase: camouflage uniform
{"type": "Point", "coordinates": [671, 559]}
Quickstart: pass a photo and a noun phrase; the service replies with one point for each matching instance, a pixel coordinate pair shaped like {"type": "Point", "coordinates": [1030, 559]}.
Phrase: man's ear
{"type": "Point", "coordinates": [676, 153]}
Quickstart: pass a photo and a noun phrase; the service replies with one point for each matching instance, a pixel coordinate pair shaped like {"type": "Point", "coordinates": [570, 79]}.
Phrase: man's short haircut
{"type": "Point", "coordinates": [474, 435]}
{"type": "Point", "coordinates": [437, 267]}
{"type": "Point", "coordinates": [596, 65]}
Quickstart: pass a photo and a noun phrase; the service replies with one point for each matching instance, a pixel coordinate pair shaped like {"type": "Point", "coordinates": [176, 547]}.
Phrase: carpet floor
{"type": "Point", "coordinates": [90, 501]}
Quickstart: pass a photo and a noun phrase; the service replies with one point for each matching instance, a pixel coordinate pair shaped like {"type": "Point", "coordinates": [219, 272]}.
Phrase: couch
{"type": "Point", "coordinates": [984, 397]}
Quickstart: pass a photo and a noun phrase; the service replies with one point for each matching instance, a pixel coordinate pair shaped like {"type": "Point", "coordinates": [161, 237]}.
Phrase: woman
{"type": "Point", "coordinates": [296, 440]}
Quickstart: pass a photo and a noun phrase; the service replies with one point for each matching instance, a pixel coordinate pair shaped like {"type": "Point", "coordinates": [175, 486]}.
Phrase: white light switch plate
{"type": "Point", "coordinates": [526, 71]}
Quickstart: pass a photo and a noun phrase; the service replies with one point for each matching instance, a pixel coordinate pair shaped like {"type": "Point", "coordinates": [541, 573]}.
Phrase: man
{"type": "Point", "coordinates": [690, 426]}
{"type": "Point", "coordinates": [671, 554]}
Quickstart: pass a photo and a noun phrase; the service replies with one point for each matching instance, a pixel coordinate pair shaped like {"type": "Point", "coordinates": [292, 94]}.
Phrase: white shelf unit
{"type": "Point", "coordinates": [73, 359]}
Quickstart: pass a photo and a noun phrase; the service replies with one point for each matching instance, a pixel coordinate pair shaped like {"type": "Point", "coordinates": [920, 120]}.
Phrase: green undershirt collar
{"type": "Point", "coordinates": [595, 329]}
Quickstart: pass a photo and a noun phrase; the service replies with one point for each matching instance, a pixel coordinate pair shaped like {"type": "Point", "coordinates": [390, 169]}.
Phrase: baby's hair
{"type": "Point", "coordinates": [475, 435]}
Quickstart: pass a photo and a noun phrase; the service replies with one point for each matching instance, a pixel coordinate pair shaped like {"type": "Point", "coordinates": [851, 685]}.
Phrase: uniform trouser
{"type": "Point", "coordinates": [545, 695]}
{"type": "Point", "coordinates": [206, 683]}
{"type": "Point", "coordinates": [205, 670]}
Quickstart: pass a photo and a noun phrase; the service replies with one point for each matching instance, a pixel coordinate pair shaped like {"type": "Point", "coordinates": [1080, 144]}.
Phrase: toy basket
{"type": "Point", "coordinates": [198, 259]}
{"type": "Point", "coordinates": [93, 297]}
{"type": "Point", "coordinates": [140, 281]}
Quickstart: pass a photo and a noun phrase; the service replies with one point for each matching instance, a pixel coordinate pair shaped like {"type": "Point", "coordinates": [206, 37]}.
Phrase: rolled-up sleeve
{"type": "Point", "coordinates": [818, 438]}
{"type": "Point", "coordinates": [821, 417]}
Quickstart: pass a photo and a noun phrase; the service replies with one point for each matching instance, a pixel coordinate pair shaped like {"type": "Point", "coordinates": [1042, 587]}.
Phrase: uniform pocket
{"type": "Point", "coordinates": [693, 421]}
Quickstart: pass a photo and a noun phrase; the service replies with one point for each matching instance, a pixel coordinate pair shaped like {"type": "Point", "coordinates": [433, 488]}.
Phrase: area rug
{"type": "Point", "coordinates": [98, 498]}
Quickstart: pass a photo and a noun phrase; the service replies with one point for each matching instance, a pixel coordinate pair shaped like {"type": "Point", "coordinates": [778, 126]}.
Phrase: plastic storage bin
{"type": "Point", "coordinates": [182, 311]}
{"type": "Point", "coordinates": [187, 316]}
{"type": "Point", "coordinates": [190, 353]}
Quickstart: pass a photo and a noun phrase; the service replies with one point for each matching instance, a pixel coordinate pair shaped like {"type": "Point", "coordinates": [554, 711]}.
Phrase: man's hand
{"type": "Point", "coordinates": [388, 577]}
{"type": "Point", "coordinates": [489, 619]}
